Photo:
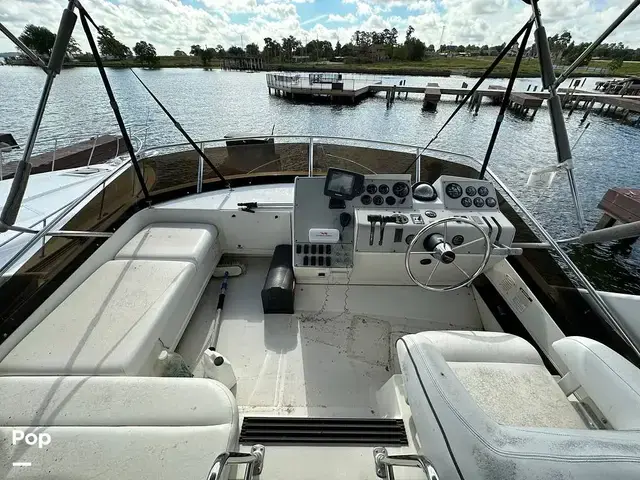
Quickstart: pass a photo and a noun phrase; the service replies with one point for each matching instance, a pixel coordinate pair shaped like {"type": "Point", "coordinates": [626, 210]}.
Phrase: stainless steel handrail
{"type": "Point", "coordinates": [598, 302]}
{"type": "Point", "coordinates": [254, 462]}
{"type": "Point", "coordinates": [385, 463]}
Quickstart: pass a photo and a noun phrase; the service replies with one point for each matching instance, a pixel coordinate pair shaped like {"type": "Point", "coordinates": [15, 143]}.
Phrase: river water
{"type": "Point", "coordinates": [210, 104]}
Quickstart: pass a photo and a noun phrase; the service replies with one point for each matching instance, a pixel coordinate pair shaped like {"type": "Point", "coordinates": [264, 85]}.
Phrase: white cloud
{"type": "Point", "coordinates": [170, 24]}
{"type": "Point", "coordinates": [348, 18]}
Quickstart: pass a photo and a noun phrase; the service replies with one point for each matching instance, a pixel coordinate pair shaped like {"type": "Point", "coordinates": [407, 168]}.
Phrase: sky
{"type": "Point", "coordinates": [178, 24]}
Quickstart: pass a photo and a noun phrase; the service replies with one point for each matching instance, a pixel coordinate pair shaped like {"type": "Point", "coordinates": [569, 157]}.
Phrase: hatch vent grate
{"type": "Point", "coordinates": [324, 431]}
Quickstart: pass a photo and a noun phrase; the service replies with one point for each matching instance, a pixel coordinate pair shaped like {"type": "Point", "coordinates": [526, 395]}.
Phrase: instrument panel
{"type": "Point", "coordinates": [389, 192]}
{"type": "Point", "coordinates": [468, 194]}
{"type": "Point", "coordinates": [363, 229]}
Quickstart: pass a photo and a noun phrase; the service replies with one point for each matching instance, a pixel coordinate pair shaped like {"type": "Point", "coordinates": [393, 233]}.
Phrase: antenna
{"type": "Point", "coordinates": [441, 37]}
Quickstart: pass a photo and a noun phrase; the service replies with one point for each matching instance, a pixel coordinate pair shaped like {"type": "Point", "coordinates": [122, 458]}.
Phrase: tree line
{"type": "Point", "coordinates": [41, 39]}
{"type": "Point", "coordinates": [363, 47]}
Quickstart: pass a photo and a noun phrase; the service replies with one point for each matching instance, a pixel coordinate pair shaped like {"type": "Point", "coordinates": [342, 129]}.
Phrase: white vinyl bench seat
{"type": "Point", "coordinates": [116, 427]}
{"type": "Point", "coordinates": [118, 320]}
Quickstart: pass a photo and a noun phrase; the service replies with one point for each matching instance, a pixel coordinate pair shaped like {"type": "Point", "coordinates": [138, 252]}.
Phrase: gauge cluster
{"type": "Point", "coordinates": [385, 192]}
{"type": "Point", "coordinates": [466, 194]}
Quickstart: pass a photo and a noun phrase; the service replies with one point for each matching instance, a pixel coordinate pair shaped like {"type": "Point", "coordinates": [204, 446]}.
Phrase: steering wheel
{"type": "Point", "coordinates": [444, 253]}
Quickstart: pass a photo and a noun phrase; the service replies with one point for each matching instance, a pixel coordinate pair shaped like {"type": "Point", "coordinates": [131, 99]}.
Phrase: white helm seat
{"type": "Point", "coordinates": [484, 406]}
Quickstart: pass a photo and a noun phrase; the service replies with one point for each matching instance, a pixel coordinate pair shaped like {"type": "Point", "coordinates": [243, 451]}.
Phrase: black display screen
{"type": "Point", "coordinates": [343, 184]}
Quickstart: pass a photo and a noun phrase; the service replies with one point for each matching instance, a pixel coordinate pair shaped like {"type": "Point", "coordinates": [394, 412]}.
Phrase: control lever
{"type": "Point", "coordinates": [373, 219]}
{"type": "Point", "coordinates": [383, 221]}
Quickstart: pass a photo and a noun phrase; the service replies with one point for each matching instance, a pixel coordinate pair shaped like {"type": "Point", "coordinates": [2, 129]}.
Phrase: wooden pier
{"type": "Point", "coordinates": [335, 87]}
{"type": "Point", "coordinates": [620, 205]}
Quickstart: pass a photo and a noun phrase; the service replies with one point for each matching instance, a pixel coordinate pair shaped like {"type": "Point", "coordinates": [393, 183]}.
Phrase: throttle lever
{"type": "Point", "coordinates": [373, 219]}
{"type": "Point", "coordinates": [383, 221]}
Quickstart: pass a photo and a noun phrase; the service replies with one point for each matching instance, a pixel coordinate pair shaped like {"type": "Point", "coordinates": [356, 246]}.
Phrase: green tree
{"type": "Point", "coordinates": [73, 49]}
{"type": "Point", "coordinates": [289, 45]}
{"type": "Point", "coordinates": [146, 53]}
{"type": "Point", "coordinates": [272, 48]}
{"type": "Point", "coordinates": [207, 55]}
{"type": "Point", "coordinates": [410, 31]}
{"type": "Point", "coordinates": [615, 64]}
{"type": "Point", "coordinates": [196, 50]}
{"type": "Point", "coordinates": [179, 53]}
{"type": "Point", "coordinates": [558, 44]}
{"type": "Point", "coordinates": [235, 51]}
{"type": "Point", "coordinates": [253, 50]}
{"type": "Point", "coordinates": [109, 46]}
{"type": "Point", "coordinates": [219, 51]}
{"type": "Point", "coordinates": [38, 39]}
{"type": "Point", "coordinates": [338, 49]}
{"type": "Point", "coordinates": [415, 49]}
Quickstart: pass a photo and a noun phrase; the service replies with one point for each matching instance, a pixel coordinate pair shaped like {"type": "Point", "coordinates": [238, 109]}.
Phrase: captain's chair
{"type": "Point", "coordinates": [484, 406]}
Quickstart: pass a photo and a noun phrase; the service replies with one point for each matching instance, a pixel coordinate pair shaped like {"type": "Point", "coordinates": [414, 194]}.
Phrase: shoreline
{"type": "Point", "coordinates": [437, 67]}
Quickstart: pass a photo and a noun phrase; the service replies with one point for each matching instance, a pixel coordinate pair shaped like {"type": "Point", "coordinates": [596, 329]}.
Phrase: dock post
{"type": "Point", "coordinates": [534, 114]}
{"type": "Point", "coordinates": [535, 88]}
{"type": "Point", "coordinates": [586, 114]}
{"type": "Point", "coordinates": [529, 87]}
{"type": "Point", "coordinates": [393, 93]}
{"type": "Point", "coordinates": [601, 108]}
{"type": "Point", "coordinates": [625, 114]}
{"type": "Point", "coordinates": [608, 109]}
{"type": "Point", "coordinates": [478, 102]}
{"type": "Point", "coordinates": [573, 107]}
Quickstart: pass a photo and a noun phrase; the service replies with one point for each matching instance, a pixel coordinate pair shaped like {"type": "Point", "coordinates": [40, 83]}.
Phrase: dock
{"type": "Point", "coordinates": [336, 87]}
{"type": "Point", "coordinates": [619, 206]}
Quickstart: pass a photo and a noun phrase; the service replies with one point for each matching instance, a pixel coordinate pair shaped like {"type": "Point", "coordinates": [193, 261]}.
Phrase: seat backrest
{"type": "Point", "coordinates": [114, 427]}
{"type": "Point", "coordinates": [611, 381]}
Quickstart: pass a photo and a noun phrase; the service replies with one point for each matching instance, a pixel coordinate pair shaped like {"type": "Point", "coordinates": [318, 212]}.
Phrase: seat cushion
{"type": "Point", "coordinates": [116, 427]}
{"type": "Point", "coordinates": [612, 382]}
{"type": "Point", "coordinates": [171, 241]}
{"type": "Point", "coordinates": [517, 394]}
{"type": "Point", "coordinates": [110, 324]}
{"type": "Point", "coordinates": [465, 436]}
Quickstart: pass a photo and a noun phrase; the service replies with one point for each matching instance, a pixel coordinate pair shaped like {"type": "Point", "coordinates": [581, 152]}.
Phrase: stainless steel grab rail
{"type": "Point", "coordinates": [254, 462]}
{"type": "Point", "coordinates": [385, 463]}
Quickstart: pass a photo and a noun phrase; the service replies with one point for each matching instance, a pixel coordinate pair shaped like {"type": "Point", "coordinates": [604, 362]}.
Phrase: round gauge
{"type": "Point", "coordinates": [483, 191]}
{"type": "Point", "coordinates": [454, 190]}
{"type": "Point", "coordinates": [372, 189]}
{"type": "Point", "coordinates": [378, 200]}
{"type": "Point", "coordinates": [457, 240]}
{"type": "Point", "coordinates": [400, 189]}
{"type": "Point", "coordinates": [383, 189]}
{"type": "Point", "coordinates": [471, 191]}
{"type": "Point", "coordinates": [409, 239]}
{"type": "Point", "coordinates": [478, 202]}
{"type": "Point", "coordinates": [390, 200]}
{"type": "Point", "coordinates": [402, 219]}
{"type": "Point", "coordinates": [431, 214]}
{"type": "Point", "coordinates": [491, 202]}
{"type": "Point", "coordinates": [365, 199]}
{"type": "Point", "coordinates": [466, 202]}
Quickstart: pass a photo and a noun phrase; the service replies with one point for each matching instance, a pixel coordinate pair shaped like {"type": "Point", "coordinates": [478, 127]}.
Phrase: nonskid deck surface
{"type": "Point", "coordinates": [324, 360]}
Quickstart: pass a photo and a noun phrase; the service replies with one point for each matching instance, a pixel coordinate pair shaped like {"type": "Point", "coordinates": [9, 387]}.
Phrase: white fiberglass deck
{"type": "Point", "coordinates": [317, 363]}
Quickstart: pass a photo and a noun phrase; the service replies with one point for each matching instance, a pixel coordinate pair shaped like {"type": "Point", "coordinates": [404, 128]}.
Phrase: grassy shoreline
{"type": "Point", "coordinates": [435, 66]}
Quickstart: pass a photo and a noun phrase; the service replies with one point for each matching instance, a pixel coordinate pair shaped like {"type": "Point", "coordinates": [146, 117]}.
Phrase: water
{"type": "Point", "coordinates": [210, 104]}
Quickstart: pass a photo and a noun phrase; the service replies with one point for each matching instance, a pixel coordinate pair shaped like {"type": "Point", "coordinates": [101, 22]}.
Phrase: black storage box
{"type": "Point", "coordinates": [279, 286]}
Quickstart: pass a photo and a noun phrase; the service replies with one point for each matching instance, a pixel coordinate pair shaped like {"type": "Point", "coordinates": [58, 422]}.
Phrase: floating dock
{"type": "Point", "coordinates": [335, 87]}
